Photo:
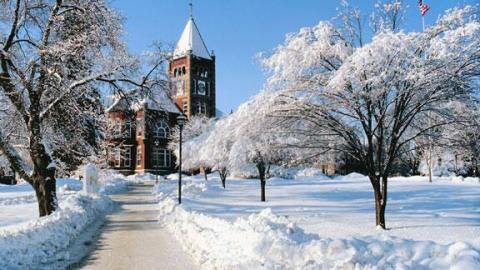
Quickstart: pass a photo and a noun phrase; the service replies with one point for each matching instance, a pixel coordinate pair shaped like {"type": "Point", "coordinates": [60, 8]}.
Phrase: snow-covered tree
{"type": "Point", "coordinates": [371, 95]}
{"type": "Point", "coordinates": [217, 146]}
{"type": "Point", "coordinates": [458, 145]}
{"type": "Point", "coordinates": [256, 138]}
{"type": "Point", "coordinates": [194, 135]}
{"type": "Point", "coordinates": [54, 58]}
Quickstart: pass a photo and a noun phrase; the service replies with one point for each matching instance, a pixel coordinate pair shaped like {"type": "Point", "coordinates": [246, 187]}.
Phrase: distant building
{"type": "Point", "coordinates": [139, 126]}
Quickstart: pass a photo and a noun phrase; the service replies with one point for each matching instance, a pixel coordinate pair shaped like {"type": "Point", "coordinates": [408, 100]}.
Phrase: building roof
{"type": "Point", "coordinates": [191, 40]}
{"type": "Point", "coordinates": [156, 99]}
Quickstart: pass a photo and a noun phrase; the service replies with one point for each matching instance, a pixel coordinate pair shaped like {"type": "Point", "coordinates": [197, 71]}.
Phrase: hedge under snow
{"type": "Point", "coordinates": [268, 241]}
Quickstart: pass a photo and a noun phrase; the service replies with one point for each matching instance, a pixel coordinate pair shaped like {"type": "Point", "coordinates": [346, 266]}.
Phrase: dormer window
{"type": "Point", "coordinates": [161, 130]}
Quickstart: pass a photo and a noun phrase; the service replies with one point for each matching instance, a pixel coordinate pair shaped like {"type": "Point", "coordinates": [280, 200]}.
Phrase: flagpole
{"type": "Point", "coordinates": [430, 162]}
{"type": "Point", "coordinates": [423, 23]}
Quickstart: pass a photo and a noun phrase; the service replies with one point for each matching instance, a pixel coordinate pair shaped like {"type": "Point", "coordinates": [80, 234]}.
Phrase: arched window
{"type": "Point", "coordinates": [175, 73]}
{"type": "Point", "coordinates": [184, 71]}
{"type": "Point", "coordinates": [161, 130]}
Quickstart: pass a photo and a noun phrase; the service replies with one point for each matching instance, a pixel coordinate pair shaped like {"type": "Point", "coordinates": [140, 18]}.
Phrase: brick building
{"type": "Point", "coordinates": [137, 134]}
{"type": "Point", "coordinates": [139, 126]}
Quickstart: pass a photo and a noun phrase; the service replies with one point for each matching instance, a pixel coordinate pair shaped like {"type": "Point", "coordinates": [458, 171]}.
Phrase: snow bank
{"type": "Point", "coordinates": [352, 176]}
{"type": "Point", "coordinates": [45, 239]}
{"type": "Point", "coordinates": [267, 241]}
{"type": "Point", "coordinates": [112, 182]}
{"type": "Point", "coordinates": [35, 241]}
{"type": "Point", "coordinates": [297, 172]}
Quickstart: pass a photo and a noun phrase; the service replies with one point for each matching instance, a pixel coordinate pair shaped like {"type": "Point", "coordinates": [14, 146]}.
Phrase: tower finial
{"type": "Point", "coordinates": [191, 9]}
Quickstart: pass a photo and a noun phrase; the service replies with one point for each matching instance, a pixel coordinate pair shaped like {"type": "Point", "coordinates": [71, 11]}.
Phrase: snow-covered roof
{"type": "Point", "coordinates": [191, 40]}
{"type": "Point", "coordinates": [155, 99]}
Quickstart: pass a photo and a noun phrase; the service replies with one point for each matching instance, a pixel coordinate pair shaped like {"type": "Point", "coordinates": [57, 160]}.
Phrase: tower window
{"type": "Point", "coordinates": [201, 107]}
{"type": "Point", "coordinates": [185, 107]}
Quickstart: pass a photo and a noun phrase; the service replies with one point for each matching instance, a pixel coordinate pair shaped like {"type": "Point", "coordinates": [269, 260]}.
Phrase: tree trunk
{"type": "Point", "coordinates": [45, 190]}
{"type": "Point", "coordinates": [223, 176]}
{"type": "Point", "coordinates": [261, 172]}
{"type": "Point", "coordinates": [380, 191]}
{"type": "Point", "coordinates": [204, 170]}
{"type": "Point", "coordinates": [262, 186]}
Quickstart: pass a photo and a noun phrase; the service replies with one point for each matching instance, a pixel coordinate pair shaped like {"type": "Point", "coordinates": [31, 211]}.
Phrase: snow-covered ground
{"type": "Point", "coordinates": [317, 222]}
{"type": "Point", "coordinates": [27, 241]}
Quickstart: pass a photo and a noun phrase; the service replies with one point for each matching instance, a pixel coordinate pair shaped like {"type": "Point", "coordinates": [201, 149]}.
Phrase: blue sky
{"type": "Point", "coordinates": [239, 29]}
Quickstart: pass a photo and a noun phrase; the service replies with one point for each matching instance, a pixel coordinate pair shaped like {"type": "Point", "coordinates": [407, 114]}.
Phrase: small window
{"type": "Point", "coordinates": [161, 130]}
{"type": "Point", "coordinates": [185, 107]}
{"type": "Point", "coordinates": [128, 157]}
{"type": "Point", "coordinates": [204, 108]}
{"type": "Point", "coordinates": [139, 156]}
{"type": "Point", "coordinates": [184, 71]}
{"type": "Point", "coordinates": [118, 157]}
{"type": "Point", "coordinates": [175, 72]}
{"type": "Point", "coordinates": [127, 129]}
{"type": "Point", "coordinates": [116, 128]}
{"type": "Point", "coordinates": [201, 107]}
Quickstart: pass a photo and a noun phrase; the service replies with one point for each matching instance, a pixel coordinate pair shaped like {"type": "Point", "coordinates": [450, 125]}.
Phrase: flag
{"type": "Point", "coordinates": [423, 7]}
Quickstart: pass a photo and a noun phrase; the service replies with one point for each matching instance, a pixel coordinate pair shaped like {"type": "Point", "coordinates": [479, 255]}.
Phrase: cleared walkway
{"type": "Point", "coordinates": [132, 238]}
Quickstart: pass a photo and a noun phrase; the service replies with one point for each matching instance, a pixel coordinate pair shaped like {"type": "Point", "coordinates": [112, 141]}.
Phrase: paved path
{"type": "Point", "coordinates": [133, 239]}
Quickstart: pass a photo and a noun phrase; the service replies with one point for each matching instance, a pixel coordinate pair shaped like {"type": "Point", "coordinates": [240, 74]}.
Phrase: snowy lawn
{"type": "Point", "coordinates": [27, 241]}
{"type": "Point", "coordinates": [323, 223]}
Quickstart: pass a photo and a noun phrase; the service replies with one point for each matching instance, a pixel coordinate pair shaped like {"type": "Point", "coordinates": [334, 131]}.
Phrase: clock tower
{"type": "Point", "coordinates": [192, 73]}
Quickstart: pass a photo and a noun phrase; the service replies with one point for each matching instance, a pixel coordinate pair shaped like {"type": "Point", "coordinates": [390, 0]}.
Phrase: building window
{"type": "Point", "coordinates": [118, 156]}
{"type": "Point", "coordinates": [139, 156]}
{"type": "Point", "coordinates": [161, 130]}
{"type": "Point", "coordinates": [127, 129]}
{"type": "Point", "coordinates": [110, 155]}
{"type": "Point", "coordinates": [185, 107]}
{"type": "Point", "coordinates": [201, 107]}
{"type": "Point", "coordinates": [128, 157]}
{"type": "Point", "coordinates": [184, 71]}
{"type": "Point", "coordinates": [161, 157]}
{"type": "Point", "coordinates": [119, 128]}
{"type": "Point", "coordinates": [115, 128]}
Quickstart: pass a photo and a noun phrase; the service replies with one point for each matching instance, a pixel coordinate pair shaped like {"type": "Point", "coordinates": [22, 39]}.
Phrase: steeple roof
{"type": "Point", "coordinates": [191, 40]}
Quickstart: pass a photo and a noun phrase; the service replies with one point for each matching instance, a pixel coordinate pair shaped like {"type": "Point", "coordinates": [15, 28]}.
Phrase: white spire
{"type": "Point", "coordinates": [191, 40]}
